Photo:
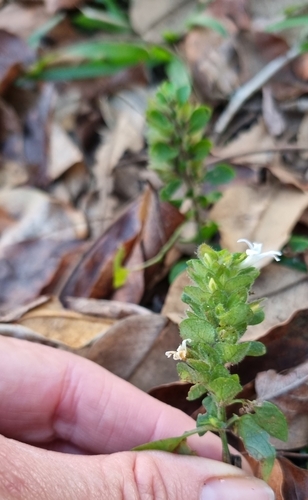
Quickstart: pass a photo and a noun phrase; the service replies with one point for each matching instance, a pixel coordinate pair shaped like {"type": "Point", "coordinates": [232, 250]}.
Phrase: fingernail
{"type": "Point", "coordinates": [236, 488]}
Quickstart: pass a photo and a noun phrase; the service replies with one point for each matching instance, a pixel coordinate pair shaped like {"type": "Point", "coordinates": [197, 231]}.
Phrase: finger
{"type": "Point", "coordinates": [43, 475]}
{"type": "Point", "coordinates": [49, 395]}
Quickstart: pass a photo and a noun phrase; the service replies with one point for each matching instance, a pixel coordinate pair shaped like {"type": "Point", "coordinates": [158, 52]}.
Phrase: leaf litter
{"type": "Point", "coordinates": [75, 187]}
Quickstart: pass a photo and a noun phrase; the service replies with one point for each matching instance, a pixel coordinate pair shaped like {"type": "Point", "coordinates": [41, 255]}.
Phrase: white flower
{"type": "Point", "coordinates": [254, 254]}
{"type": "Point", "coordinates": [180, 353]}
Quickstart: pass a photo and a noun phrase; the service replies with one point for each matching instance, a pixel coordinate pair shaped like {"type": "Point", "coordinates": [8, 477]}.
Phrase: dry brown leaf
{"type": "Point", "coordinates": [289, 391]}
{"type": "Point", "coordinates": [68, 327]}
{"type": "Point", "coordinates": [273, 117]}
{"type": "Point", "coordinates": [209, 55]}
{"type": "Point", "coordinates": [286, 347]}
{"type": "Point", "coordinates": [264, 213]}
{"type": "Point", "coordinates": [285, 291]}
{"type": "Point", "coordinates": [166, 15]}
{"type": "Point", "coordinates": [125, 115]}
{"type": "Point", "coordinates": [13, 54]}
{"type": "Point", "coordinates": [18, 312]}
{"type": "Point", "coordinates": [237, 10]}
{"type": "Point", "coordinates": [253, 140]}
{"type": "Point", "coordinates": [113, 309]}
{"type": "Point", "coordinates": [63, 152]}
{"type": "Point", "coordinates": [29, 268]}
{"type": "Point", "coordinates": [146, 225]}
{"type": "Point", "coordinates": [22, 20]}
{"type": "Point", "coordinates": [173, 307]}
{"type": "Point", "coordinates": [288, 175]}
{"type": "Point", "coordinates": [134, 349]}
{"type": "Point", "coordinates": [37, 215]}
{"type": "Point", "coordinates": [288, 481]}
{"type": "Point", "coordinates": [175, 394]}
{"type": "Point", "coordinates": [53, 6]}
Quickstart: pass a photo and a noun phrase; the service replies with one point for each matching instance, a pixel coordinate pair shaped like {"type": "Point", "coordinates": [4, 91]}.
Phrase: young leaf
{"type": "Point", "coordinates": [272, 420]}
{"type": "Point", "coordinates": [169, 189]}
{"type": "Point", "coordinates": [221, 174]}
{"type": "Point", "coordinates": [159, 120]}
{"type": "Point", "coordinates": [120, 273]}
{"type": "Point", "coordinates": [225, 388]}
{"type": "Point", "coordinates": [201, 150]}
{"type": "Point", "coordinates": [199, 119]}
{"type": "Point", "coordinates": [256, 442]}
{"type": "Point", "coordinates": [172, 445]}
{"type": "Point", "coordinates": [198, 330]}
{"type": "Point", "coordinates": [196, 391]}
{"type": "Point", "coordinates": [162, 152]}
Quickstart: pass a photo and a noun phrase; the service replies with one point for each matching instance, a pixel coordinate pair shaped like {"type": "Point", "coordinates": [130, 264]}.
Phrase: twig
{"type": "Point", "coordinates": [277, 149]}
{"type": "Point", "coordinates": [250, 87]}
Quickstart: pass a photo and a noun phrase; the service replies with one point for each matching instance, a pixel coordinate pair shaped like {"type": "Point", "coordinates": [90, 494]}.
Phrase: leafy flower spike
{"type": "Point", "coordinates": [220, 310]}
{"type": "Point", "coordinates": [254, 253]}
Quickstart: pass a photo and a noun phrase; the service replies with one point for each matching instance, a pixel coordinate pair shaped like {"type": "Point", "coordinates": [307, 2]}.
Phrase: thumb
{"type": "Point", "coordinates": [29, 473]}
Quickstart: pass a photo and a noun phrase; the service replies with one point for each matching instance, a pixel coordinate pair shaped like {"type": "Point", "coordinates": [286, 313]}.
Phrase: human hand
{"type": "Point", "coordinates": [67, 425]}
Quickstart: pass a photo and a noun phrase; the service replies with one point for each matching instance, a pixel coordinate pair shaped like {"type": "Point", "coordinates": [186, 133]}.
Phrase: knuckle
{"type": "Point", "coordinates": [148, 478]}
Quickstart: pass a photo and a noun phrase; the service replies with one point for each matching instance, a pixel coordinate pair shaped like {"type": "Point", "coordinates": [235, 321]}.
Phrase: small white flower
{"type": "Point", "coordinates": [180, 353]}
{"type": "Point", "coordinates": [254, 254]}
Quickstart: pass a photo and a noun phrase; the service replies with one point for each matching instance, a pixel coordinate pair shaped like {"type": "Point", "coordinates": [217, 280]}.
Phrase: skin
{"type": "Point", "coordinates": [67, 427]}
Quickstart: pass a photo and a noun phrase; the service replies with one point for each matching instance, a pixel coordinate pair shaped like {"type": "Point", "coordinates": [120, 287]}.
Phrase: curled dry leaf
{"type": "Point", "coordinates": [147, 224]}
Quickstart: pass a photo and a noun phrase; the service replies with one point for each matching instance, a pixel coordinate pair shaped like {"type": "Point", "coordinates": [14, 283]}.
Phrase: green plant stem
{"type": "Point", "coordinates": [226, 456]}
{"type": "Point", "coordinates": [161, 254]}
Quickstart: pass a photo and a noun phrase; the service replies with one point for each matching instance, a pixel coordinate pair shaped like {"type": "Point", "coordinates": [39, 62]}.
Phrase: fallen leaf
{"type": "Point", "coordinates": [286, 347]}
{"type": "Point", "coordinates": [166, 15]}
{"type": "Point", "coordinates": [148, 223]}
{"type": "Point", "coordinates": [113, 309]}
{"type": "Point", "coordinates": [289, 391]}
{"type": "Point", "coordinates": [250, 141]}
{"type": "Point", "coordinates": [209, 55]}
{"type": "Point", "coordinates": [173, 307]}
{"type": "Point", "coordinates": [263, 213]}
{"type": "Point", "coordinates": [14, 53]}
{"type": "Point", "coordinates": [28, 268]}
{"type": "Point", "coordinates": [22, 20]}
{"type": "Point", "coordinates": [37, 215]}
{"type": "Point", "coordinates": [63, 154]}
{"type": "Point", "coordinates": [273, 117]}
{"type": "Point", "coordinates": [288, 481]}
{"type": "Point", "coordinates": [175, 394]}
{"type": "Point", "coordinates": [285, 291]}
{"type": "Point", "coordinates": [68, 327]}
{"type": "Point", "coordinates": [134, 349]}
